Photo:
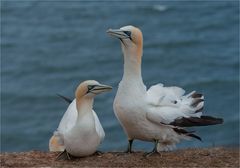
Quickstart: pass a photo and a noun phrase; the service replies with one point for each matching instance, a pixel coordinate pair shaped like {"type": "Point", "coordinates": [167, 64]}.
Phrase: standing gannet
{"type": "Point", "coordinates": [80, 131]}
{"type": "Point", "coordinates": [159, 113]}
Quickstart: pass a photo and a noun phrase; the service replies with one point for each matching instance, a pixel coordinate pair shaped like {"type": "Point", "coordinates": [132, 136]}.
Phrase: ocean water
{"type": "Point", "coordinates": [49, 47]}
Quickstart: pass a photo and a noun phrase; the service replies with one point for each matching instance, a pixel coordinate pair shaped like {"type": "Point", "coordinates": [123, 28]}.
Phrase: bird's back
{"type": "Point", "coordinates": [69, 118]}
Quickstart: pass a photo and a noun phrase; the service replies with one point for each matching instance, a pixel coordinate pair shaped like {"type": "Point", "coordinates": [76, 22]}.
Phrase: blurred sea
{"type": "Point", "coordinates": [49, 47]}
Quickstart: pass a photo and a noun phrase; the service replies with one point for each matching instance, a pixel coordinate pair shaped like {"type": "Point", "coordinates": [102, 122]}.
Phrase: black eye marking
{"type": "Point", "coordinates": [122, 42]}
{"type": "Point", "coordinates": [128, 33]}
{"type": "Point", "coordinates": [175, 101]}
{"type": "Point", "coordinates": [90, 87]}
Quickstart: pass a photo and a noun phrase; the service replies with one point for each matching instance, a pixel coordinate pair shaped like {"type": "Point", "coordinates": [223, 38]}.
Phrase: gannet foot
{"type": "Point", "coordinates": [98, 153]}
{"type": "Point", "coordinates": [64, 156]}
{"type": "Point", "coordinates": [129, 149]}
{"type": "Point", "coordinates": [125, 152]}
{"type": "Point", "coordinates": [128, 152]}
{"type": "Point", "coordinates": [147, 154]}
{"type": "Point", "coordinates": [154, 151]}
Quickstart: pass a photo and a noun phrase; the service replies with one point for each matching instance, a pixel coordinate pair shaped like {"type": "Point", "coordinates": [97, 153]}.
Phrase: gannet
{"type": "Point", "coordinates": [160, 113]}
{"type": "Point", "coordinates": [80, 131]}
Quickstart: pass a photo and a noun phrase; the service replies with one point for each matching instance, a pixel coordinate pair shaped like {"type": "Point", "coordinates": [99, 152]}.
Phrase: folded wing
{"type": "Point", "coordinates": [98, 127]}
{"type": "Point", "coordinates": [170, 107]}
{"type": "Point", "coordinates": [69, 118]}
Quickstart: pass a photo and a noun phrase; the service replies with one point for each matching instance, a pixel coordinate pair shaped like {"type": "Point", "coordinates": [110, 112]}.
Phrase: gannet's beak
{"type": "Point", "coordinates": [97, 89]}
{"type": "Point", "coordinates": [119, 33]}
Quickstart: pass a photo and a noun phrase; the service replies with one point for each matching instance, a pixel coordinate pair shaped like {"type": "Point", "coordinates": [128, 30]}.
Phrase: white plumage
{"type": "Point", "coordinates": [169, 103]}
{"type": "Point", "coordinates": [70, 117]}
{"type": "Point", "coordinates": [156, 114]}
{"type": "Point", "coordinates": [80, 131]}
{"type": "Point", "coordinates": [146, 114]}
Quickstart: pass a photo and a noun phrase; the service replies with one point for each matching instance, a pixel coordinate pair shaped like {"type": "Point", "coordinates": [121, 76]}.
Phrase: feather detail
{"type": "Point", "coordinates": [190, 134]}
{"type": "Point", "coordinates": [68, 100]}
{"type": "Point", "coordinates": [195, 121]}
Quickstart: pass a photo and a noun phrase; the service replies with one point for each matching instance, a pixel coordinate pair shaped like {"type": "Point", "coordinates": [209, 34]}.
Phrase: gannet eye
{"type": "Point", "coordinates": [90, 87]}
{"type": "Point", "coordinates": [128, 33]}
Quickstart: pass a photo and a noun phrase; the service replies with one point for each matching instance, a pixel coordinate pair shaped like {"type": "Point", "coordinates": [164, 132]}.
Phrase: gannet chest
{"type": "Point", "coordinates": [129, 108]}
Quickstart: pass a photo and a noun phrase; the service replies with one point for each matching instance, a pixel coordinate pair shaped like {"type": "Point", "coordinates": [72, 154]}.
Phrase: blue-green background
{"type": "Point", "coordinates": [50, 47]}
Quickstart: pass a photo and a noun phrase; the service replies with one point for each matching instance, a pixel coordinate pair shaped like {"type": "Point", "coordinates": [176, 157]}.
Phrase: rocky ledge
{"type": "Point", "coordinates": [205, 157]}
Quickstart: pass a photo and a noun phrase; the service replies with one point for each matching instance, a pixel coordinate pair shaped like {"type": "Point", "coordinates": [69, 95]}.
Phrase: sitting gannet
{"type": "Point", "coordinates": [159, 113]}
{"type": "Point", "coordinates": [80, 132]}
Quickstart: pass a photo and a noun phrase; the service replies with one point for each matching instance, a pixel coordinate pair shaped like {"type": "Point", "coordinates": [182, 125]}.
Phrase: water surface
{"type": "Point", "coordinates": [50, 47]}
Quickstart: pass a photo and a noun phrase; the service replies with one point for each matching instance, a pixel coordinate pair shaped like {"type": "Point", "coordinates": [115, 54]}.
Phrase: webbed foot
{"type": "Point", "coordinates": [64, 156]}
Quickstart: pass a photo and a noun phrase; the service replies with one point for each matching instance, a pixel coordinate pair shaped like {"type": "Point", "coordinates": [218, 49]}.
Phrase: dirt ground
{"type": "Point", "coordinates": [206, 157]}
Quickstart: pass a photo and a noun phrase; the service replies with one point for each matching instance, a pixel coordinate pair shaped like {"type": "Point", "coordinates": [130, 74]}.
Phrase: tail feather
{"type": "Point", "coordinates": [184, 132]}
{"type": "Point", "coordinates": [199, 110]}
{"type": "Point", "coordinates": [196, 95]}
{"type": "Point", "coordinates": [212, 120]}
{"type": "Point", "coordinates": [196, 101]}
{"type": "Point", "coordinates": [56, 143]}
{"type": "Point", "coordinates": [195, 121]}
{"type": "Point", "coordinates": [190, 94]}
{"type": "Point", "coordinates": [195, 136]}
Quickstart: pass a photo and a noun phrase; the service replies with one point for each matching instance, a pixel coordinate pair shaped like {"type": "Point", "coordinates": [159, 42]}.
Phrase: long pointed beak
{"type": "Point", "coordinates": [101, 88]}
{"type": "Point", "coordinates": [117, 33]}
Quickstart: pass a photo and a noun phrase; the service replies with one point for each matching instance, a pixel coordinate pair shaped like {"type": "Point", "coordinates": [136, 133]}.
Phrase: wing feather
{"type": "Point", "coordinates": [69, 118]}
{"type": "Point", "coordinates": [168, 104]}
{"type": "Point", "coordinates": [98, 126]}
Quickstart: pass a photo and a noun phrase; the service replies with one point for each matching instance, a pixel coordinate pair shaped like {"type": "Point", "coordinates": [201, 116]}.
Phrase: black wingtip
{"type": "Point", "coordinates": [65, 98]}
{"type": "Point", "coordinates": [195, 136]}
{"type": "Point", "coordinates": [187, 133]}
{"type": "Point", "coordinates": [196, 95]}
{"type": "Point", "coordinates": [212, 120]}
{"type": "Point", "coordinates": [195, 121]}
{"type": "Point", "coordinates": [196, 102]}
{"type": "Point", "coordinates": [199, 110]}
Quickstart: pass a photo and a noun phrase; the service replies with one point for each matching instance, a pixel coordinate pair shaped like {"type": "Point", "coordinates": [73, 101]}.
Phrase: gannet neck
{"type": "Point", "coordinates": [132, 49]}
{"type": "Point", "coordinates": [84, 105]}
{"type": "Point", "coordinates": [132, 62]}
{"type": "Point", "coordinates": [132, 69]}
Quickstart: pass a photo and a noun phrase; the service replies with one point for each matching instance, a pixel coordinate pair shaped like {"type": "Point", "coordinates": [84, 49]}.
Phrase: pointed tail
{"type": "Point", "coordinates": [196, 121]}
